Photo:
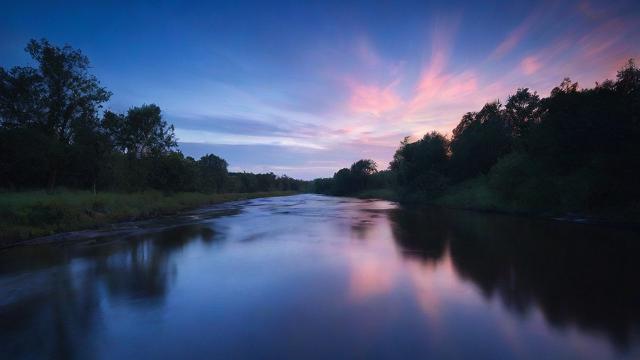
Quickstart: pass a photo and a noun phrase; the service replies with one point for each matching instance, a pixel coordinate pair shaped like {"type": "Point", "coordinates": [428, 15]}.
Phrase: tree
{"type": "Point", "coordinates": [479, 141]}
{"type": "Point", "coordinates": [212, 173]}
{"type": "Point", "coordinates": [170, 172]}
{"type": "Point", "coordinates": [141, 132]}
{"type": "Point", "coordinates": [628, 79]}
{"type": "Point", "coordinates": [521, 111]}
{"type": "Point", "coordinates": [51, 133]}
{"type": "Point", "coordinates": [361, 170]}
{"type": "Point", "coordinates": [22, 100]}
{"type": "Point", "coordinates": [422, 165]}
{"type": "Point", "coordinates": [342, 184]}
{"type": "Point", "coordinates": [566, 87]}
{"type": "Point", "coordinates": [56, 98]}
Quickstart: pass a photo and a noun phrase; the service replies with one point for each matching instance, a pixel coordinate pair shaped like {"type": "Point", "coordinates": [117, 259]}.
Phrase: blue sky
{"type": "Point", "coordinates": [305, 88]}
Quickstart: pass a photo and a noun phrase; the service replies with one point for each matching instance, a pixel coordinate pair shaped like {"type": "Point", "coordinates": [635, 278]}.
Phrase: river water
{"type": "Point", "coordinates": [312, 276]}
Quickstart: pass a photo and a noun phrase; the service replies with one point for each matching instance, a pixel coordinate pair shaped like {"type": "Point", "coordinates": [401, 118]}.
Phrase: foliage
{"type": "Point", "coordinates": [52, 134]}
{"type": "Point", "coordinates": [573, 151]}
{"type": "Point", "coordinates": [212, 173]}
{"type": "Point", "coordinates": [479, 141]}
{"type": "Point", "coordinates": [59, 100]}
{"type": "Point", "coordinates": [142, 132]}
{"type": "Point", "coordinates": [363, 175]}
{"type": "Point", "coordinates": [421, 166]}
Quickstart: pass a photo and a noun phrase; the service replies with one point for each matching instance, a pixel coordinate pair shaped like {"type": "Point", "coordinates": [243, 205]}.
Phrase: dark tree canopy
{"type": "Point", "coordinates": [422, 165]}
{"type": "Point", "coordinates": [522, 111]}
{"type": "Point", "coordinates": [479, 141]}
{"type": "Point", "coordinates": [212, 171]}
{"type": "Point", "coordinates": [58, 99]}
{"type": "Point", "coordinates": [573, 151]}
{"type": "Point", "coordinates": [52, 133]}
{"type": "Point", "coordinates": [140, 132]}
{"type": "Point", "coordinates": [360, 171]}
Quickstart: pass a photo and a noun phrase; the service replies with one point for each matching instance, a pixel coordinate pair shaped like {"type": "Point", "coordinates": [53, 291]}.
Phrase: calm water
{"type": "Point", "coordinates": [322, 277]}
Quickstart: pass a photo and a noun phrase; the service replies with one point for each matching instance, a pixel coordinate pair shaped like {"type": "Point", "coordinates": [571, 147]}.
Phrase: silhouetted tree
{"type": "Point", "coordinates": [575, 150]}
{"type": "Point", "coordinates": [522, 111]}
{"type": "Point", "coordinates": [57, 98]}
{"type": "Point", "coordinates": [478, 141]}
{"type": "Point", "coordinates": [342, 182]}
{"type": "Point", "coordinates": [212, 173]}
{"type": "Point", "coordinates": [422, 165]}
{"type": "Point", "coordinates": [51, 132]}
{"type": "Point", "coordinates": [360, 172]}
{"type": "Point", "coordinates": [141, 132]}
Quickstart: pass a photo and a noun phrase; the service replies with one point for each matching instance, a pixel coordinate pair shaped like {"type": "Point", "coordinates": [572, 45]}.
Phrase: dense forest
{"type": "Point", "coordinates": [573, 151]}
{"type": "Point", "coordinates": [54, 132]}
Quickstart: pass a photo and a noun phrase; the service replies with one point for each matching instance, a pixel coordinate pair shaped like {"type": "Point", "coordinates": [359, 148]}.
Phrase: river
{"type": "Point", "coordinates": [310, 276]}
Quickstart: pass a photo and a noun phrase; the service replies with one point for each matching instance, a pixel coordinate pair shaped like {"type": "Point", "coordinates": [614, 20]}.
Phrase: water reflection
{"type": "Point", "coordinates": [54, 310]}
{"type": "Point", "coordinates": [313, 276]}
{"type": "Point", "coordinates": [575, 274]}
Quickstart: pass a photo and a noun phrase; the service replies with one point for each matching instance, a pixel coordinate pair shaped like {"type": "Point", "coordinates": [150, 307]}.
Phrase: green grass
{"type": "Point", "coordinates": [25, 215]}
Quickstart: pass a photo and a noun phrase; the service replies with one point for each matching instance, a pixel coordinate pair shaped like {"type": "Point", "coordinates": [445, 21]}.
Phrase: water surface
{"type": "Point", "coordinates": [322, 277]}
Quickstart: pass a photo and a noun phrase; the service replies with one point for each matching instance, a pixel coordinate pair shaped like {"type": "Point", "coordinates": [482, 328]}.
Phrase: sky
{"type": "Point", "coordinates": [305, 88]}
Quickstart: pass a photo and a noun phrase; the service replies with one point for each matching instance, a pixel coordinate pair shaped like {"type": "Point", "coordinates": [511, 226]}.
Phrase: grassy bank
{"type": "Point", "coordinates": [476, 194]}
{"type": "Point", "coordinates": [25, 215]}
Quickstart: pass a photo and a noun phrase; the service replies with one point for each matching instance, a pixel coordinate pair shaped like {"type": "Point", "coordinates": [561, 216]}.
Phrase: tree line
{"type": "Point", "coordinates": [55, 133]}
{"type": "Point", "coordinates": [577, 149]}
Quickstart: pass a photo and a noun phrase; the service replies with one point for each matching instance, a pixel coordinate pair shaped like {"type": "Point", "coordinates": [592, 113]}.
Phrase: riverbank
{"type": "Point", "coordinates": [26, 215]}
{"type": "Point", "coordinates": [476, 195]}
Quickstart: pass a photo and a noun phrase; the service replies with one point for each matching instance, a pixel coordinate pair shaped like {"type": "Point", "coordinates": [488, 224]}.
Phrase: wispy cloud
{"type": "Point", "coordinates": [364, 95]}
{"type": "Point", "coordinates": [219, 138]}
{"type": "Point", "coordinates": [372, 99]}
{"type": "Point", "coordinates": [517, 35]}
{"type": "Point", "coordinates": [530, 65]}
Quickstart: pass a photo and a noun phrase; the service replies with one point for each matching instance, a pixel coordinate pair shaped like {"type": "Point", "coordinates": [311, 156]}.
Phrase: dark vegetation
{"type": "Point", "coordinates": [28, 214]}
{"type": "Point", "coordinates": [576, 151]}
{"type": "Point", "coordinates": [54, 133]}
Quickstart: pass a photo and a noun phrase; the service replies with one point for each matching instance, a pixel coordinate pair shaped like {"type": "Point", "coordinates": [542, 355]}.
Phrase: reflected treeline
{"type": "Point", "coordinates": [54, 311]}
{"type": "Point", "coordinates": [575, 274]}
{"type": "Point", "coordinates": [52, 318]}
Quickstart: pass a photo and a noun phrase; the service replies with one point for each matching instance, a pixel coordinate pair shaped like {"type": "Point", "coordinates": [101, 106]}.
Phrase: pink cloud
{"type": "Point", "coordinates": [386, 103]}
{"type": "Point", "coordinates": [605, 36]}
{"type": "Point", "coordinates": [593, 55]}
{"type": "Point", "coordinates": [372, 99]}
{"type": "Point", "coordinates": [437, 85]}
{"type": "Point", "coordinates": [530, 65]}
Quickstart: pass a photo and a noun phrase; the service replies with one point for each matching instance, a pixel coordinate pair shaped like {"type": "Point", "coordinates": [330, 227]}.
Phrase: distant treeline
{"type": "Point", "coordinates": [53, 133]}
{"type": "Point", "coordinates": [576, 150]}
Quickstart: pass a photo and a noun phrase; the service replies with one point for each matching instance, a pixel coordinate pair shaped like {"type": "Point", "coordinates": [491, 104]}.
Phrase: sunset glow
{"type": "Point", "coordinates": [305, 89]}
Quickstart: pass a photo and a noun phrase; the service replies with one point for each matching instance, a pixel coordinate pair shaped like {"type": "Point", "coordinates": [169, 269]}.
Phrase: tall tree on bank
{"type": "Point", "coordinates": [57, 100]}
{"type": "Point", "coordinates": [478, 141]}
{"type": "Point", "coordinates": [141, 132]}
{"type": "Point", "coordinates": [212, 172]}
{"type": "Point", "coordinates": [361, 170]}
{"type": "Point", "coordinates": [145, 149]}
{"type": "Point", "coordinates": [422, 165]}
